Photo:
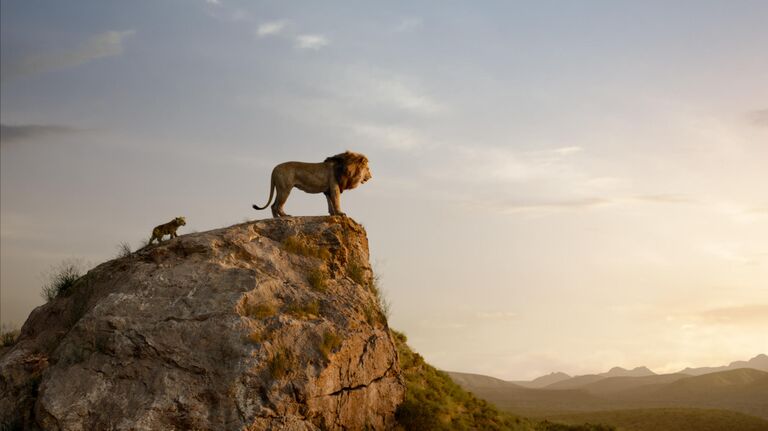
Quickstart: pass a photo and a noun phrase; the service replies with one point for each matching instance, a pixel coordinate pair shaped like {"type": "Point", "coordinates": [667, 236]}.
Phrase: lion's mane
{"type": "Point", "coordinates": [349, 169]}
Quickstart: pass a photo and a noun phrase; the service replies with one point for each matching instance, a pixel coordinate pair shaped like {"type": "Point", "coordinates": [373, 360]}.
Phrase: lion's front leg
{"type": "Point", "coordinates": [334, 201]}
{"type": "Point", "coordinates": [330, 202]}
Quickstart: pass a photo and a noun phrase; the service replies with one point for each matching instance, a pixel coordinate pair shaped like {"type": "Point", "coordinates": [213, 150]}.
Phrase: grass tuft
{"type": "Point", "coordinates": [318, 279]}
{"type": "Point", "coordinates": [61, 278]}
{"type": "Point", "coordinates": [356, 271]}
{"type": "Point", "coordinates": [331, 341]}
{"type": "Point", "coordinates": [123, 250]}
{"type": "Point", "coordinates": [255, 337]}
{"type": "Point", "coordinates": [259, 311]}
{"type": "Point", "coordinates": [9, 336]}
{"type": "Point", "coordinates": [280, 364]}
{"type": "Point", "coordinates": [306, 310]}
{"type": "Point", "coordinates": [297, 245]}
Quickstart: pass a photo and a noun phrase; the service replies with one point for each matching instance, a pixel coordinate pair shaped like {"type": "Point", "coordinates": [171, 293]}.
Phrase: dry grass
{"type": "Point", "coordinates": [331, 341]}
{"type": "Point", "coordinates": [259, 311]}
{"type": "Point", "coordinates": [61, 278]}
{"type": "Point", "coordinates": [306, 310]}
{"type": "Point", "coordinates": [318, 279]}
{"type": "Point", "coordinates": [256, 337]}
{"type": "Point", "coordinates": [280, 364]}
{"type": "Point", "coordinates": [8, 336]}
{"type": "Point", "coordinates": [356, 271]}
{"type": "Point", "coordinates": [300, 246]}
{"type": "Point", "coordinates": [123, 250]}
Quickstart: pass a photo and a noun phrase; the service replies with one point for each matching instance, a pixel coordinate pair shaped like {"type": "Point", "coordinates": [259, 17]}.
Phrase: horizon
{"type": "Point", "coordinates": [556, 187]}
{"type": "Point", "coordinates": [632, 368]}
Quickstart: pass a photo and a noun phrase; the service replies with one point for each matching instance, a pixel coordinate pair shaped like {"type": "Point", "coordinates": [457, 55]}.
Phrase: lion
{"type": "Point", "coordinates": [167, 229]}
{"type": "Point", "coordinates": [337, 173]}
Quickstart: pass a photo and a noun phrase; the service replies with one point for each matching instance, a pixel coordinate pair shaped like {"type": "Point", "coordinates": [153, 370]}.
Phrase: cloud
{"type": "Point", "coordinates": [102, 45]}
{"type": "Point", "coordinates": [664, 199]}
{"type": "Point", "coordinates": [736, 315]}
{"type": "Point", "coordinates": [311, 41]}
{"type": "Point", "coordinates": [214, 2]}
{"type": "Point", "coordinates": [17, 133]}
{"type": "Point", "coordinates": [408, 24]}
{"type": "Point", "coordinates": [270, 28]}
{"type": "Point", "coordinates": [377, 90]}
{"type": "Point", "coordinates": [759, 117]}
{"type": "Point", "coordinates": [566, 205]}
{"type": "Point", "coordinates": [390, 137]}
{"type": "Point", "coordinates": [497, 315]}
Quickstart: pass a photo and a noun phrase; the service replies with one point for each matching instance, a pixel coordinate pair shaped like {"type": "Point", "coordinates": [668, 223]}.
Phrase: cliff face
{"type": "Point", "coordinates": [272, 324]}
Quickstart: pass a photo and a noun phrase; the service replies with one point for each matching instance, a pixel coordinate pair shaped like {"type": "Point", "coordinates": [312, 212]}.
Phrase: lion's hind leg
{"type": "Point", "coordinates": [280, 199]}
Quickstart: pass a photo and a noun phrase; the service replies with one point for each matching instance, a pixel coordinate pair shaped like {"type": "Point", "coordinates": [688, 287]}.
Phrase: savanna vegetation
{"type": "Point", "coordinates": [434, 402]}
{"type": "Point", "coordinates": [679, 419]}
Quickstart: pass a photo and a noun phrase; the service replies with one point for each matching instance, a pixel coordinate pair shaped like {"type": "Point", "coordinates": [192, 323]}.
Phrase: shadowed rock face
{"type": "Point", "coordinates": [213, 330]}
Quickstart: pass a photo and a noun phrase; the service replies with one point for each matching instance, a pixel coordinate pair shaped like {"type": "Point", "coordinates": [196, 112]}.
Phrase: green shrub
{"type": "Point", "coordinates": [318, 279]}
{"type": "Point", "coordinates": [330, 342]}
{"type": "Point", "coordinates": [297, 245]}
{"type": "Point", "coordinates": [61, 279]}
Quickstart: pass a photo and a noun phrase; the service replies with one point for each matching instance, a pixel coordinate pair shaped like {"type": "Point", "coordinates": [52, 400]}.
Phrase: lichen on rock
{"type": "Point", "coordinates": [225, 329]}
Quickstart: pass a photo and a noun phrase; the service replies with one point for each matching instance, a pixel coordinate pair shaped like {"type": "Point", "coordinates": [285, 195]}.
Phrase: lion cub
{"type": "Point", "coordinates": [167, 229]}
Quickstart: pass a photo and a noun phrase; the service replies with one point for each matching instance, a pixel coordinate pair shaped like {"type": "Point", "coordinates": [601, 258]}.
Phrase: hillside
{"type": "Point", "coordinates": [618, 384]}
{"type": "Point", "coordinates": [435, 402]}
{"type": "Point", "coordinates": [581, 381]}
{"type": "Point", "coordinates": [273, 324]}
{"type": "Point", "coordinates": [543, 381]}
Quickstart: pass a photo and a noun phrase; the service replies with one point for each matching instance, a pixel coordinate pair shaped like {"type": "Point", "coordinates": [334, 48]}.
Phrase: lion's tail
{"type": "Point", "coordinates": [271, 194]}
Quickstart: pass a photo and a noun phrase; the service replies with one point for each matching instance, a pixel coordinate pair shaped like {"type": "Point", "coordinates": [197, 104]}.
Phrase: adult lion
{"type": "Point", "coordinates": [341, 172]}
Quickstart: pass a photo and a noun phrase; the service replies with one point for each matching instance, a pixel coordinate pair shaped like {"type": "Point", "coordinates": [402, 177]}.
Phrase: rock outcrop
{"type": "Point", "coordinates": [267, 325]}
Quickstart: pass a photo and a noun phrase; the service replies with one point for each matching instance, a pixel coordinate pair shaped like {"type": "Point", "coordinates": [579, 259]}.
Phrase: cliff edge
{"type": "Point", "coordinates": [272, 324]}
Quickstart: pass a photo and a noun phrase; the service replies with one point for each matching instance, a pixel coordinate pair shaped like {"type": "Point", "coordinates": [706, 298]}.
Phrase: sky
{"type": "Point", "coordinates": [557, 186]}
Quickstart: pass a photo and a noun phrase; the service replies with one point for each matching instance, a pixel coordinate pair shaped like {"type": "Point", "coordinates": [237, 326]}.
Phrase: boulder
{"type": "Point", "coordinates": [267, 325]}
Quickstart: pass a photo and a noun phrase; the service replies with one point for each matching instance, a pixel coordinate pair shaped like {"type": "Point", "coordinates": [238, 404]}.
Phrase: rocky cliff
{"type": "Point", "coordinates": [273, 324]}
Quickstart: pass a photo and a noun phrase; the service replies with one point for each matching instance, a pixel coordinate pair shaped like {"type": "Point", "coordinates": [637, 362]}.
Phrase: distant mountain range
{"type": "Point", "coordinates": [759, 362]}
{"type": "Point", "coordinates": [559, 380]}
{"type": "Point", "coordinates": [739, 387]}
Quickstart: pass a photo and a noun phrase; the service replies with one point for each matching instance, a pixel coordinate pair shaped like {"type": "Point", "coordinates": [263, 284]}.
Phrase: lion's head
{"type": "Point", "coordinates": [351, 169]}
{"type": "Point", "coordinates": [180, 221]}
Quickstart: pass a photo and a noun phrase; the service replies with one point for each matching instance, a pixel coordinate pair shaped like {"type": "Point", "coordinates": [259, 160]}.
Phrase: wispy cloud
{"type": "Point", "coordinates": [383, 90]}
{"type": "Point", "coordinates": [270, 28]}
{"type": "Point", "coordinates": [311, 41]}
{"type": "Point", "coordinates": [17, 133]}
{"type": "Point", "coordinates": [735, 315]}
{"type": "Point", "coordinates": [741, 314]}
{"type": "Point", "coordinates": [759, 117]}
{"type": "Point", "coordinates": [566, 205]}
{"type": "Point", "coordinates": [497, 315]}
{"type": "Point", "coordinates": [102, 45]}
{"type": "Point", "coordinates": [664, 199]}
{"type": "Point", "coordinates": [390, 136]}
{"type": "Point", "coordinates": [213, 2]}
{"type": "Point", "coordinates": [408, 24]}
